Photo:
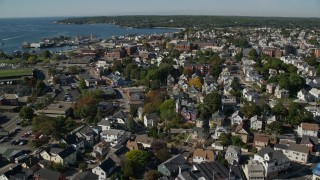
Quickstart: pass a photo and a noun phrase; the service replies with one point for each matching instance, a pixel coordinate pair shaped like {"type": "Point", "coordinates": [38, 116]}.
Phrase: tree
{"type": "Point", "coordinates": [196, 82]}
{"type": "Point", "coordinates": [289, 49]}
{"type": "Point", "coordinates": [46, 54]}
{"type": "Point", "coordinates": [83, 166]}
{"type": "Point", "coordinates": [238, 56]}
{"type": "Point", "coordinates": [72, 70]}
{"type": "Point", "coordinates": [26, 112]}
{"type": "Point", "coordinates": [152, 175]}
{"type": "Point", "coordinates": [212, 101]}
{"type": "Point", "coordinates": [135, 163]}
{"type": "Point", "coordinates": [225, 139]}
{"type": "Point", "coordinates": [32, 59]}
{"type": "Point", "coordinates": [236, 141]}
{"type": "Point", "coordinates": [82, 84]}
{"type": "Point", "coordinates": [167, 109]}
{"type": "Point", "coordinates": [280, 110]}
{"type": "Point", "coordinates": [162, 155]}
{"type": "Point", "coordinates": [253, 54]}
{"type": "Point", "coordinates": [275, 127]}
{"type": "Point", "coordinates": [250, 109]}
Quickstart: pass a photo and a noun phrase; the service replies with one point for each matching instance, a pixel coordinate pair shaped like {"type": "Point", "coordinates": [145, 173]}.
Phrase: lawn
{"type": "Point", "coordinates": [15, 72]}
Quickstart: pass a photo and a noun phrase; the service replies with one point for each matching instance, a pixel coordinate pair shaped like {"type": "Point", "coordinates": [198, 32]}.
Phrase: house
{"type": "Point", "coordinates": [233, 154]}
{"type": "Point", "coordinates": [261, 140]}
{"type": "Point", "coordinates": [217, 118]}
{"type": "Point", "coordinates": [86, 175]}
{"type": "Point", "coordinates": [273, 161]}
{"type": "Point", "coordinates": [304, 95]}
{"type": "Point", "coordinates": [89, 134]}
{"type": "Point", "coordinates": [16, 172]}
{"type": "Point", "coordinates": [201, 155]}
{"type": "Point", "coordinates": [31, 163]}
{"type": "Point", "coordinates": [170, 80]}
{"type": "Point", "coordinates": [217, 146]}
{"type": "Point", "coordinates": [100, 149]}
{"type": "Point", "coordinates": [243, 131]}
{"type": "Point", "coordinates": [208, 170]}
{"type": "Point", "coordinates": [315, 93]}
{"type": "Point", "coordinates": [220, 130]}
{"type": "Point", "coordinates": [151, 120]}
{"type": "Point", "coordinates": [271, 87]}
{"type": "Point", "coordinates": [171, 166]}
{"type": "Point", "coordinates": [236, 118]}
{"type": "Point", "coordinates": [254, 170]}
{"type": "Point", "coordinates": [144, 140]}
{"type": "Point", "coordinates": [281, 93]}
{"type": "Point", "coordinates": [256, 123]}
{"type": "Point", "coordinates": [65, 156]}
{"type": "Point", "coordinates": [46, 174]}
{"type": "Point", "coordinates": [294, 152]}
{"type": "Point", "coordinates": [74, 141]}
{"type": "Point", "coordinates": [104, 169]}
{"type": "Point", "coordinates": [114, 136]}
{"type": "Point", "coordinates": [308, 129]}
{"type": "Point", "coordinates": [310, 141]}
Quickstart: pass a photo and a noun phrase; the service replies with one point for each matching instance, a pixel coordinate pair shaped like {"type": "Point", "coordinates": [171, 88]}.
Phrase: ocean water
{"type": "Point", "coordinates": [15, 31]}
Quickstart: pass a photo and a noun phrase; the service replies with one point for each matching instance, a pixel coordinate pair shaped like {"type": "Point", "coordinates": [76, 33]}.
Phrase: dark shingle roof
{"type": "Point", "coordinates": [47, 174]}
{"type": "Point", "coordinates": [87, 175]}
{"type": "Point", "coordinates": [273, 154]}
{"type": "Point", "coordinates": [67, 152]}
{"type": "Point", "coordinates": [71, 139]}
{"type": "Point", "coordinates": [107, 164]}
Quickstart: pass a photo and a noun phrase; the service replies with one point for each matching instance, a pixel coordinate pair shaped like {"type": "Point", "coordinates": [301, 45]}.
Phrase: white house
{"type": "Point", "coordinates": [104, 169]}
{"type": "Point", "coordinates": [150, 120]}
{"type": "Point", "coordinates": [254, 170]}
{"type": "Point", "coordinates": [236, 118]}
{"type": "Point", "coordinates": [308, 129]}
{"type": "Point", "coordinates": [273, 161]}
{"type": "Point", "coordinates": [218, 131]}
{"type": "Point", "coordinates": [256, 123]}
{"type": "Point", "coordinates": [201, 155]}
{"type": "Point", "coordinates": [294, 152]}
{"type": "Point", "coordinates": [315, 93]}
{"type": "Point", "coordinates": [113, 136]}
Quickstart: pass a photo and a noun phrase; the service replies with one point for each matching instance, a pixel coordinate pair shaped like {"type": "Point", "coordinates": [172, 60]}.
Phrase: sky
{"type": "Point", "coordinates": [70, 8]}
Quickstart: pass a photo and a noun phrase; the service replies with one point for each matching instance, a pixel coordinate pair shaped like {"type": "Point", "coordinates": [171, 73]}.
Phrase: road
{"type": "Point", "coordinates": [124, 99]}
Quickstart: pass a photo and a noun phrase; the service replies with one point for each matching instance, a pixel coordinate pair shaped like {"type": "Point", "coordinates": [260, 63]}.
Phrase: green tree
{"type": "Point", "coordinates": [225, 139]}
{"type": "Point", "coordinates": [167, 109]}
{"type": "Point", "coordinates": [250, 109]}
{"type": "Point", "coordinates": [253, 54]}
{"type": "Point", "coordinates": [82, 84]}
{"type": "Point", "coordinates": [275, 127]}
{"type": "Point", "coordinates": [236, 141]}
{"type": "Point", "coordinates": [46, 54]}
{"type": "Point", "coordinates": [83, 166]}
{"type": "Point", "coordinates": [26, 112]}
{"type": "Point", "coordinates": [32, 59]}
{"type": "Point", "coordinates": [212, 101]}
{"type": "Point", "coordinates": [135, 163]}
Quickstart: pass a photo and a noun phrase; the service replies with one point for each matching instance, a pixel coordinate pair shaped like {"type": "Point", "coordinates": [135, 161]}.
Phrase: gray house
{"type": "Point", "coordinates": [233, 155]}
{"type": "Point", "coordinates": [171, 166]}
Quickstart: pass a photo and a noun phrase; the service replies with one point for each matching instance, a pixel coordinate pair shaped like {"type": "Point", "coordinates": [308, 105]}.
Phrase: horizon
{"type": "Point", "coordinates": [83, 8]}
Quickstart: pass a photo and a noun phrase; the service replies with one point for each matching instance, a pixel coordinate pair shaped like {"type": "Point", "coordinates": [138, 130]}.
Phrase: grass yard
{"type": "Point", "coordinates": [15, 72]}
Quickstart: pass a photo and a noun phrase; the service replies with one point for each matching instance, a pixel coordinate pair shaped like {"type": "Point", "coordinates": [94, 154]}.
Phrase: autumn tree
{"type": "Point", "coordinates": [196, 82]}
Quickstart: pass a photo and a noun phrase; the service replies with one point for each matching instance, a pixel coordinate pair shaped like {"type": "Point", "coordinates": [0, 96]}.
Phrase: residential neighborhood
{"type": "Point", "coordinates": [223, 103]}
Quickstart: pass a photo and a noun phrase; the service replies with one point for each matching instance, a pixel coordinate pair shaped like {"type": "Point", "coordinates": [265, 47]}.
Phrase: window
{"type": "Point", "coordinates": [102, 173]}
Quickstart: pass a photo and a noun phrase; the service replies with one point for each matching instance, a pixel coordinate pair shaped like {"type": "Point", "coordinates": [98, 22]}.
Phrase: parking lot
{"type": "Point", "coordinates": [17, 137]}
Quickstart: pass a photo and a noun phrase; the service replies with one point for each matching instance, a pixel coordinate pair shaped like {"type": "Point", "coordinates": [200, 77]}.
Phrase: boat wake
{"type": "Point", "coordinates": [16, 37]}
